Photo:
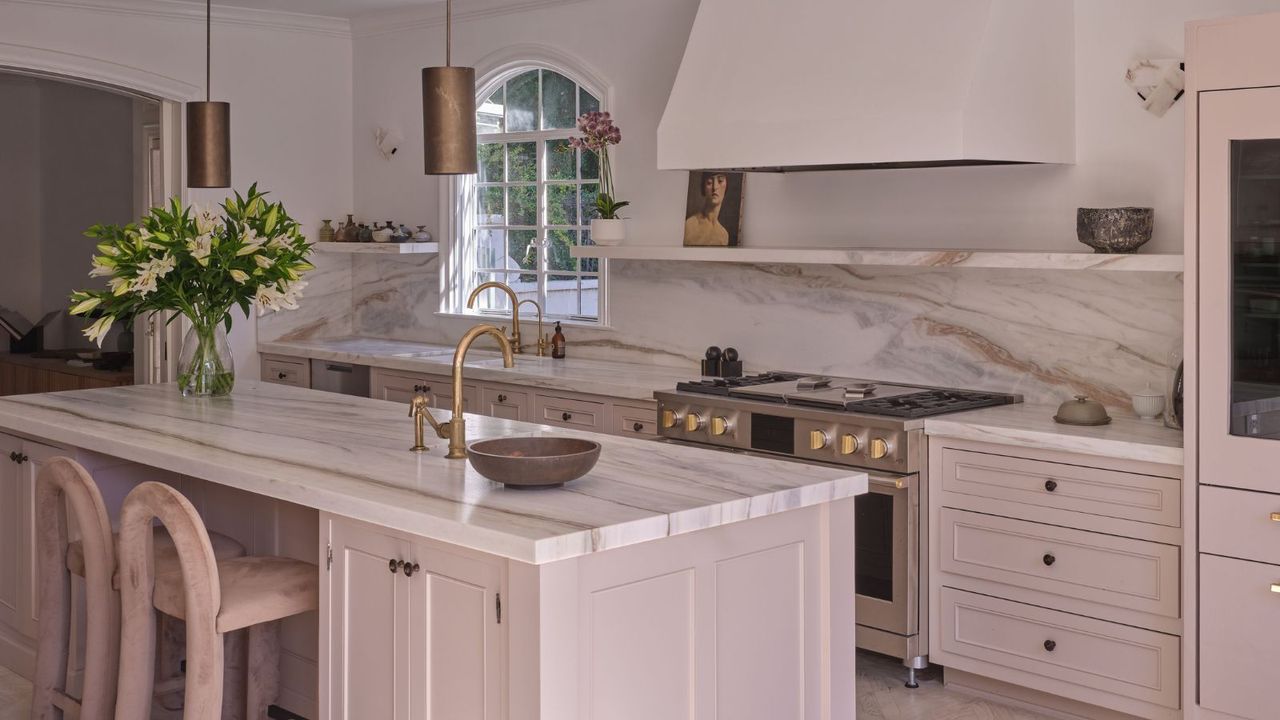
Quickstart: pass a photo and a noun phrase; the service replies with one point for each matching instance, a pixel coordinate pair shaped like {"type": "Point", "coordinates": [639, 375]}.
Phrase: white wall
{"type": "Point", "coordinates": [289, 89]}
{"type": "Point", "coordinates": [19, 193]}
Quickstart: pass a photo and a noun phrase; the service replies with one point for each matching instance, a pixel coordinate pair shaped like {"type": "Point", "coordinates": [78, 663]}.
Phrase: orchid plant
{"type": "Point", "coordinates": [598, 133]}
{"type": "Point", "coordinates": [201, 263]}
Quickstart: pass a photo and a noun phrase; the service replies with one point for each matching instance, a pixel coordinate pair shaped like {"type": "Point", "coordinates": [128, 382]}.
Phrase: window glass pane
{"type": "Point", "coordinates": [522, 205]}
{"type": "Point", "coordinates": [523, 249]}
{"type": "Point", "coordinates": [557, 101]}
{"type": "Point", "coordinates": [491, 249]}
{"type": "Point", "coordinates": [560, 159]}
{"type": "Point", "coordinates": [590, 264]}
{"type": "Point", "coordinates": [562, 204]}
{"type": "Point", "coordinates": [492, 299]}
{"type": "Point", "coordinates": [590, 295]}
{"type": "Point", "coordinates": [590, 165]}
{"type": "Point", "coordinates": [522, 102]}
{"type": "Point", "coordinates": [562, 294]}
{"type": "Point", "coordinates": [558, 244]}
{"type": "Point", "coordinates": [492, 164]}
{"type": "Point", "coordinates": [590, 191]}
{"type": "Point", "coordinates": [489, 114]}
{"type": "Point", "coordinates": [522, 159]}
{"type": "Point", "coordinates": [586, 102]}
{"type": "Point", "coordinates": [491, 209]}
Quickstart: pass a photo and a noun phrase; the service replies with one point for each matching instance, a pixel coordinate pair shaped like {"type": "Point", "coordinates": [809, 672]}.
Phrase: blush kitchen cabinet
{"type": "Point", "coordinates": [1056, 577]}
{"type": "Point", "coordinates": [286, 371]}
{"type": "Point", "coordinates": [506, 403]}
{"type": "Point", "coordinates": [413, 627]}
{"type": "Point", "coordinates": [400, 387]}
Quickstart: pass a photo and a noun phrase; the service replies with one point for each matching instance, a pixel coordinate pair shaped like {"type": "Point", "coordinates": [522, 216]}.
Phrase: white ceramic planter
{"type": "Point", "coordinates": [608, 232]}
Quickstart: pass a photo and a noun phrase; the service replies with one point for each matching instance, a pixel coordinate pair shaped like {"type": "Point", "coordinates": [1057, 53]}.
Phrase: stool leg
{"type": "Point", "coordinates": [204, 670]}
{"type": "Point", "coordinates": [170, 647]}
{"type": "Point", "coordinates": [51, 656]}
{"type": "Point", "coordinates": [264, 668]}
{"type": "Point", "coordinates": [236, 668]}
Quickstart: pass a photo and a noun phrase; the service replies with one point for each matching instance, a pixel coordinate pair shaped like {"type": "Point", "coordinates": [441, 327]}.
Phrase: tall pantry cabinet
{"type": "Point", "coordinates": [1233, 368]}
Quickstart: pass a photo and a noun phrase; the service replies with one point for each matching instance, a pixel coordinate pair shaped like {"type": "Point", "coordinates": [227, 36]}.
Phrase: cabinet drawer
{"type": "Point", "coordinates": [564, 412]}
{"type": "Point", "coordinates": [286, 372]}
{"type": "Point", "coordinates": [1239, 651]}
{"type": "Point", "coordinates": [635, 420]}
{"type": "Point", "coordinates": [1240, 523]}
{"type": "Point", "coordinates": [1109, 493]}
{"type": "Point", "coordinates": [401, 388]}
{"type": "Point", "coordinates": [505, 403]}
{"type": "Point", "coordinates": [1096, 568]}
{"type": "Point", "coordinates": [1094, 661]}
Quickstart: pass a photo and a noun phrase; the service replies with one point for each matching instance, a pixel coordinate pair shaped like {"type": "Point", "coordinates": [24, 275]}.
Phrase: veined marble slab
{"type": "Point", "coordinates": [350, 456]}
{"type": "Point", "coordinates": [1125, 438]}
{"type": "Point", "coordinates": [580, 375]}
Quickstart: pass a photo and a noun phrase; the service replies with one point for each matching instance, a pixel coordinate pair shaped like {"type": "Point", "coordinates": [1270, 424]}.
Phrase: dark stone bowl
{"type": "Point", "coordinates": [533, 462]}
{"type": "Point", "coordinates": [1114, 230]}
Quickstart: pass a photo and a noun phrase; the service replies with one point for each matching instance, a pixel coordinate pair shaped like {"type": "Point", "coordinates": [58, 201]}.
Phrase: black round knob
{"type": "Point", "coordinates": [417, 388]}
{"type": "Point", "coordinates": [1049, 559]}
{"type": "Point", "coordinates": [638, 426]}
{"type": "Point", "coordinates": [731, 354]}
{"type": "Point", "coordinates": [409, 570]}
{"type": "Point", "coordinates": [1050, 645]}
{"type": "Point", "coordinates": [393, 566]}
{"type": "Point", "coordinates": [22, 458]}
{"type": "Point", "coordinates": [1050, 485]}
{"type": "Point", "coordinates": [713, 353]}
{"type": "Point", "coordinates": [13, 456]}
{"type": "Point", "coordinates": [502, 398]}
{"type": "Point", "coordinates": [566, 417]}
{"type": "Point", "coordinates": [282, 375]}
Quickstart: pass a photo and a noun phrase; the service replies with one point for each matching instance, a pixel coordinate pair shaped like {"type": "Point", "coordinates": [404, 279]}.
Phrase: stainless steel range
{"type": "Point", "coordinates": [871, 426]}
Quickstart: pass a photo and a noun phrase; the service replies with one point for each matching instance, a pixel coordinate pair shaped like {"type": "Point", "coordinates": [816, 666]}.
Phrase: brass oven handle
{"type": "Point", "coordinates": [1275, 517]}
{"type": "Point", "coordinates": [1275, 587]}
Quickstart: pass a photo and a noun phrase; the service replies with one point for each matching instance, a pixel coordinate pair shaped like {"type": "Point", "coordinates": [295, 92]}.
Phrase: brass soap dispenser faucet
{"type": "Point", "coordinates": [455, 431]}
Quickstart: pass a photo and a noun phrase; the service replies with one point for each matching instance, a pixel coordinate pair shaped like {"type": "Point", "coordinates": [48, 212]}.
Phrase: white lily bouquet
{"type": "Point", "coordinates": [199, 263]}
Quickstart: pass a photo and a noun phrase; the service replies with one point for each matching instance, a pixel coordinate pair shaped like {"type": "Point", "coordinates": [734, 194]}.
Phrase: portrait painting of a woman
{"type": "Point", "coordinates": [714, 212]}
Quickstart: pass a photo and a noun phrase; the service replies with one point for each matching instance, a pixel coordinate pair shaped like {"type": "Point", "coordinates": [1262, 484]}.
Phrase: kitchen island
{"type": "Point", "coordinates": [669, 582]}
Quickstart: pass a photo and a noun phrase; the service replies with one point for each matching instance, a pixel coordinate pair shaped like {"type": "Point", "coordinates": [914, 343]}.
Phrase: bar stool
{"type": "Point", "coordinates": [63, 484]}
{"type": "Point", "coordinates": [214, 598]}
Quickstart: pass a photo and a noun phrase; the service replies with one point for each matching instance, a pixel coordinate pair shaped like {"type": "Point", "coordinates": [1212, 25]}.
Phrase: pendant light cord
{"type": "Point", "coordinates": [448, 32]}
{"type": "Point", "coordinates": [208, 42]}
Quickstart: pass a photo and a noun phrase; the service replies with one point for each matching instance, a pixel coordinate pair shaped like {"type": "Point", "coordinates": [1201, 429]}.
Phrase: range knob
{"type": "Point", "coordinates": [670, 419]}
{"type": "Point", "coordinates": [719, 425]}
{"type": "Point", "coordinates": [879, 448]}
{"type": "Point", "coordinates": [849, 444]}
{"type": "Point", "coordinates": [817, 439]}
{"type": "Point", "coordinates": [693, 422]}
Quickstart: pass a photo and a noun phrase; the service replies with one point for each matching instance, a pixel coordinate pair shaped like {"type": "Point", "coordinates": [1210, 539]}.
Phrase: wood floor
{"type": "Point", "coordinates": [881, 696]}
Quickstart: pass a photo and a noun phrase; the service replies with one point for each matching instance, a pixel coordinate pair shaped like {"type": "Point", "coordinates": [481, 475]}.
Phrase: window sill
{"type": "Point", "coordinates": [527, 318]}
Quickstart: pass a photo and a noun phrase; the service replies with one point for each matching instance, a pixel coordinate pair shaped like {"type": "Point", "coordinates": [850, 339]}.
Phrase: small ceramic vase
{"type": "Point", "coordinates": [326, 231]}
{"type": "Point", "coordinates": [608, 232]}
{"type": "Point", "coordinates": [365, 233]}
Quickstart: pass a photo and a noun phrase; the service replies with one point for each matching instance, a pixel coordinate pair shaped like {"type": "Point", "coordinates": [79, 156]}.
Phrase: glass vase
{"type": "Point", "coordinates": [205, 366]}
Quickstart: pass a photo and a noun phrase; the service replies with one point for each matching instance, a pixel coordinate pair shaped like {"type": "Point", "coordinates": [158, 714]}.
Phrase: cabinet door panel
{"type": "Point", "coordinates": [368, 672]}
{"type": "Point", "coordinates": [506, 404]}
{"type": "Point", "coordinates": [10, 532]}
{"type": "Point", "coordinates": [456, 645]}
{"type": "Point", "coordinates": [1239, 655]}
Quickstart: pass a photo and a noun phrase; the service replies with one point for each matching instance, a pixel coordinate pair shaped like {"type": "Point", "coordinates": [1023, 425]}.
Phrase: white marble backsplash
{"type": "Point", "coordinates": [1043, 333]}
{"type": "Point", "coordinates": [325, 308]}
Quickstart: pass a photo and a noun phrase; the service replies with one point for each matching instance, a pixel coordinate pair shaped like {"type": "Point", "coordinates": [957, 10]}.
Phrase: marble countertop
{"type": "Point", "coordinates": [1030, 425]}
{"type": "Point", "coordinates": [596, 377]}
{"type": "Point", "coordinates": [350, 456]}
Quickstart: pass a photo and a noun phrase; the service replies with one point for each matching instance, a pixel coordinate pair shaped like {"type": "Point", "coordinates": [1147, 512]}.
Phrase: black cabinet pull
{"type": "Point", "coordinates": [282, 375]}
{"type": "Point", "coordinates": [1050, 485]}
{"type": "Point", "coordinates": [1050, 645]}
{"type": "Point", "coordinates": [19, 457]}
{"type": "Point", "coordinates": [393, 566]}
{"type": "Point", "coordinates": [566, 417]}
{"type": "Point", "coordinates": [13, 456]}
{"type": "Point", "coordinates": [502, 398]}
{"type": "Point", "coordinates": [1049, 559]}
{"type": "Point", "coordinates": [638, 427]}
{"type": "Point", "coordinates": [409, 570]}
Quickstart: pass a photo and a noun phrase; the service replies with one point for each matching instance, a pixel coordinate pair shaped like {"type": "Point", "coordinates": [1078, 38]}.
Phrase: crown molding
{"type": "Point", "coordinates": [175, 10]}
{"type": "Point", "coordinates": [418, 18]}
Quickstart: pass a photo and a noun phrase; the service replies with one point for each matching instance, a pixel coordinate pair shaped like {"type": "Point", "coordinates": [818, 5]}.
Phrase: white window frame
{"type": "Point", "coordinates": [458, 194]}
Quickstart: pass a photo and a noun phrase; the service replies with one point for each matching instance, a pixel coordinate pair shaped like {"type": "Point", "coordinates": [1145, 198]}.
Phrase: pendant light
{"type": "Point", "coordinates": [208, 129]}
{"type": "Point", "coordinates": [449, 112]}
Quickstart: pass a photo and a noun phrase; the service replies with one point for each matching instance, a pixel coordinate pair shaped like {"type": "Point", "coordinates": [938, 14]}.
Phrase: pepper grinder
{"type": "Point", "coordinates": [711, 365]}
{"type": "Point", "coordinates": [730, 365]}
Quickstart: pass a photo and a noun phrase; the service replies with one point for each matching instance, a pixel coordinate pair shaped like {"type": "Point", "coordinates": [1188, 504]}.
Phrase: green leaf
{"type": "Point", "coordinates": [244, 306]}
{"type": "Point", "coordinates": [272, 217]}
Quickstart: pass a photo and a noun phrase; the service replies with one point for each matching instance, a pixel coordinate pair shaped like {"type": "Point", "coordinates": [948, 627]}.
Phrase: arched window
{"type": "Point", "coordinates": [532, 201]}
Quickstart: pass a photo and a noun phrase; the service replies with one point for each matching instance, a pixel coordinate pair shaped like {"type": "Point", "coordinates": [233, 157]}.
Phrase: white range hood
{"type": "Point", "coordinates": [848, 84]}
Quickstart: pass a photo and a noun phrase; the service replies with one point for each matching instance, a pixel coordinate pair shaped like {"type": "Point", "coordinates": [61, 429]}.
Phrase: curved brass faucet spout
{"type": "Point", "coordinates": [455, 431]}
{"type": "Point", "coordinates": [515, 308]}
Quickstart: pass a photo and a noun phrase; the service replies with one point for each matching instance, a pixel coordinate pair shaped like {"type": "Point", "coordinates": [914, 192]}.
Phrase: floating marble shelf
{"type": "Point", "coordinates": [365, 248]}
{"type": "Point", "coordinates": [903, 258]}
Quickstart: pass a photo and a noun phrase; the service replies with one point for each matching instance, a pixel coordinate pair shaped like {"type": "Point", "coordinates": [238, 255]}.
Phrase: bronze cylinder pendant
{"type": "Point", "coordinates": [209, 144]}
{"type": "Point", "coordinates": [449, 120]}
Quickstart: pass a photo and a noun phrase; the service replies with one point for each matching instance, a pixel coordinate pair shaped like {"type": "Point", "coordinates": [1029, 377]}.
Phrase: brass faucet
{"type": "Point", "coordinates": [455, 431]}
{"type": "Point", "coordinates": [542, 341]}
{"type": "Point", "coordinates": [515, 308]}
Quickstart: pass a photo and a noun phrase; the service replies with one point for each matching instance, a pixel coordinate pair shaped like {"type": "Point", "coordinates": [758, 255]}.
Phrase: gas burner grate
{"type": "Point", "coordinates": [927, 403]}
{"type": "Point", "coordinates": [722, 386]}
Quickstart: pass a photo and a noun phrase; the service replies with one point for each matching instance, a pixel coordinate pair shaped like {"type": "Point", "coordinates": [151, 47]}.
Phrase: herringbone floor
{"type": "Point", "coordinates": [881, 696]}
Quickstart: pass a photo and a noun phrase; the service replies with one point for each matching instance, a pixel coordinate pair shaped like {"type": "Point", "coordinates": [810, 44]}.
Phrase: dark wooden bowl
{"type": "Point", "coordinates": [533, 462]}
